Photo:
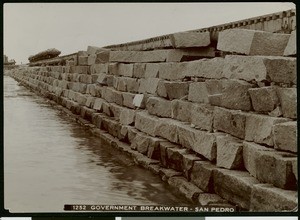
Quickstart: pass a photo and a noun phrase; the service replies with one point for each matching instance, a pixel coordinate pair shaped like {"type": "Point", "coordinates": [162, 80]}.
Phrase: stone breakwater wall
{"type": "Point", "coordinates": [218, 123]}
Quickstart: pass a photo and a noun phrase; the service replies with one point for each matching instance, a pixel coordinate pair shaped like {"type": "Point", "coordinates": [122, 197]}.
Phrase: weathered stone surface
{"type": "Point", "coordinates": [264, 99]}
{"type": "Point", "coordinates": [229, 152]}
{"type": "Point", "coordinates": [202, 116]}
{"type": "Point", "coordinates": [250, 154]}
{"type": "Point", "coordinates": [189, 190]}
{"type": "Point", "coordinates": [154, 149]}
{"type": "Point", "coordinates": [102, 56]}
{"type": "Point", "coordinates": [148, 85]}
{"type": "Point", "coordinates": [166, 173]}
{"type": "Point", "coordinates": [210, 199]}
{"type": "Point", "coordinates": [202, 175]}
{"type": "Point", "coordinates": [181, 110]}
{"type": "Point", "coordinates": [168, 129]}
{"type": "Point", "coordinates": [198, 92]}
{"type": "Point", "coordinates": [288, 101]}
{"type": "Point", "coordinates": [234, 186]}
{"type": "Point", "coordinates": [90, 102]}
{"type": "Point", "coordinates": [125, 69]}
{"type": "Point", "coordinates": [112, 69]}
{"type": "Point", "coordinates": [260, 68]}
{"type": "Point", "coordinates": [140, 142]}
{"type": "Point", "coordinates": [190, 39]}
{"type": "Point", "coordinates": [132, 131]}
{"type": "Point", "coordinates": [259, 128]}
{"type": "Point", "coordinates": [175, 158]}
{"type": "Point", "coordinates": [204, 68]}
{"type": "Point", "coordinates": [170, 55]}
{"type": "Point", "coordinates": [230, 121]}
{"type": "Point", "coordinates": [250, 42]}
{"type": "Point", "coordinates": [106, 108]}
{"type": "Point", "coordinates": [276, 168]}
{"type": "Point", "coordinates": [127, 116]}
{"type": "Point", "coordinates": [99, 68]}
{"type": "Point", "coordinates": [188, 163]}
{"type": "Point", "coordinates": [147, 123]}
{"type": "Point", "coordinates": [94, 50]}
{"type": "Point", "coordinates": [163, 152]}
{"type": "Point", "coordinates": [138, 56]}
{"type": "Point", "coordinates": [91, 59]}
{"type": "Point", "coordinates": [102, 79]}
{"type": "Point", "coordinates": [128, 99]}
{"type": "Point", "coordinates": [83, 60]}
{"type": "Point", "coordinates": [139, 70]}
{"type": "Point", "coordinates": [285, 136]}
{"type": "Point", "coordinates": [161, 89]}
{"type": "Point", "coordinates": [291, 48]}
{"type": "Point", "coordinates": [115, 110]}
{"type": "Point", "coordinates": [111, 95]}
{"type": "Point", "coordinates": [151, 70]}
{"type": "Point", "coordinates": [234, 95]}
{"type": "Point", "coordinates": [159, 107]}
{"type": "Point", "coordinates": [176, 90]}
{"type": "Point", "coordinates": [295, 168]}
{"type": "Point", "coordinates": [201, 142]}
{"type": "Point", "coordinates": [267, 198]}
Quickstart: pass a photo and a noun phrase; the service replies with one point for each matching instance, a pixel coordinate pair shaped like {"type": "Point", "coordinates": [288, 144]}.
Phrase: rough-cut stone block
{"type": "Point", "coordinates": [127, 116]}
{"type": "Point", "coordinates": [259, 128]}
{"type": "Point", "coordinates": [267, 198]}
{"type": "Point", "coordinates": [154, 149]}
{"type": "Point", "coordinates": [189, 190]}
{"type": "Point", "coordinates": [175, 158]}
{"type": "Point", "coordinates": [147, 123]}
{"type": "Point", "coordinates": [125, 70]}
{"type": "Point", "coordinates": [202, 175]}
{"type": "Point", "coordinates": [230, 121]}
{"type": "Point", "coordinates": [190, 39]}
{"type": "Point", "coordinates": [276, 168]}
{"type": "Point", "coordinates": [285, 136]}
{"type": "Point", "coordinates": [260, 68]}
{"type": "Point", "coordinates": [115, 110]}
{"type": "Point", "coordinates": [168, 173]}
{"type": "Point", "coordinates": [264, 99]}
{"type": "Point", "coordinates": [201, 142]}
{"type": "Point", "coordinates": [141, 143]}
{"type": "Point", "coordinates": [138, 56]}
{"type": "Point", "coordinates": [188, 161]}
{"type": "Point", "coordinates": [204, 68]}
{"type": "Point", "coordinates": [102, 56]}
{"type": "Point", "coordinates": [108, 94]}
{"type": "Point", "coordinates": [288, 101]}
{"type": "Point", "coordinates": [163, 152]}
{"type": "Point", "coordinates": [102, 79]}
{"type": "Point", "coordinates": [250, 42]}
{"type": "Point", "coordinates": [83, 60]}
{"type": "Point", "coordinates": [94, 50]}
{"type": "Point", "coordinates": [98, 104]}
{"type": "Point", "coordinates": [91, 59]}
{"type": "Point", "coordinates": [181, 110]}
{"type": "Point", "coordinates": [99, 68]}
{"type": "Point", "coordinates": [291, 49]}
{"type": "Point", "coordinates": [198, 92]}
{"type": "Point", "coordinates": [206, 199]}
{"type": "Point", "coordinates": [151, 70]}
{"type": "Point", "coordinates": [139, 70]}
{"type": "Point", "coordinates": [112, 69]}
{"type": "Point", "coordinates": [159, 107]}
{"type": "Point", "coordinates": [128, 99]}
{"type": "Point", "coordinates": [229, 152]}
{"type": "Point", "coordinates": [148, 85]}
{"type": "Point", "coordinates": [139, 100]}
{"type": "Point", "coordinates": [250, 154]}
{"type": "Point", "coordinates": [202, 116]}
{"type": "Point", "coordinates": [90, 102]}
{"type": "Point", "coordinates": [234, 186]}
{"type": "Point", "coordinates": [234, 95]}
{"type": "Point", "coordinates": [161, 89]}
{"type": "Point", "coordinates": [176, 90]}
{"type": "Point", "coordinates": [168, 129]}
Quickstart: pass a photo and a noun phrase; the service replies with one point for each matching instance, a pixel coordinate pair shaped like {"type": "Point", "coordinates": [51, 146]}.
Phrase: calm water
{"type": "Point", "coordinates": [49, 161]}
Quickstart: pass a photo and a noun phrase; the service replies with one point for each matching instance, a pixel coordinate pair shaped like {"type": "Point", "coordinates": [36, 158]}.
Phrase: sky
{"type": "Point", "coordinates": [30, 28]}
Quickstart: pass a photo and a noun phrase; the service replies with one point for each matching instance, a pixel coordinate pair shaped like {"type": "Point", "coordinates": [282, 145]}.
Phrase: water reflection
{"type": "Point", "coordinates": [50, 161]}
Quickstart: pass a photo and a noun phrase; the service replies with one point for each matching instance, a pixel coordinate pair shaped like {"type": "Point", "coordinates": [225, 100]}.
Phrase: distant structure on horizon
{"type": "Point", "coordinates": [8, 64]}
